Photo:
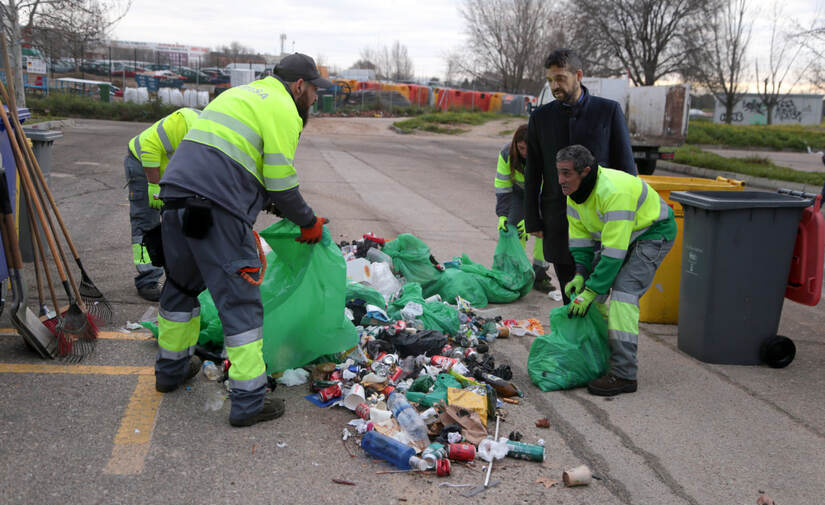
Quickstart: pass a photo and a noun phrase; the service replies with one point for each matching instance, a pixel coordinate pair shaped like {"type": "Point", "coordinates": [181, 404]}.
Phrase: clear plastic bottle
{"type": "Point", "coordinates": [211, 370]}
{"type": "Point", "coordinates": [409, 419]}
{"type": "Point", "coordinates": [380, 446]}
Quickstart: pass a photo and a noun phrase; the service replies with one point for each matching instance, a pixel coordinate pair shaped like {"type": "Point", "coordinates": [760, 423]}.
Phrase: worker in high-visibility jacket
{"type": "Point", "coordinates": [148, 155]}
{"type": "Point", "coordinates": [236, 160]}
{"type": "Point", "coordinates": [632, 228]}
{"type": "Point", "coordinates": [509, 185]}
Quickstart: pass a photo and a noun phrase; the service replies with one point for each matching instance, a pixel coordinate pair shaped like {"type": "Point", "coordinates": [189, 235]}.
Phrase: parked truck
{"type": "Point", "coordinates": [656, 115]}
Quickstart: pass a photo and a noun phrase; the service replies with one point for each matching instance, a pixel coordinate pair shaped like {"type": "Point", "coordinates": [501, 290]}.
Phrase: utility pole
{"type": "Point", "coordinates": [283, 39]}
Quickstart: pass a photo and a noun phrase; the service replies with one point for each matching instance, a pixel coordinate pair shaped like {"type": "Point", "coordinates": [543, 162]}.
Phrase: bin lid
{"type": "Point", "coordinates": [38, 135]}
{"type": "Point", "coordinates": [22, 114]}
{"type": "Point", "coordinates": [732, 200]}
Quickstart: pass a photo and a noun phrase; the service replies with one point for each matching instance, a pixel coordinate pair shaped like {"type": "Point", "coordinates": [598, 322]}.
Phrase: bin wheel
{"type": "Point", "coordinates": [777, 351]}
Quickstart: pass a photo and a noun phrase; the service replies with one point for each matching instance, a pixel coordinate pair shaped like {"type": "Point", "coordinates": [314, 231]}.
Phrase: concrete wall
{"type": "Point", "coordinates": [792, 109]}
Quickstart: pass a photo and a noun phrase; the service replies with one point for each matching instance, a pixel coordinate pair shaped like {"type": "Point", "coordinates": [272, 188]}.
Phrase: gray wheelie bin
{"type": "Point", "coordinates": [735, 264]}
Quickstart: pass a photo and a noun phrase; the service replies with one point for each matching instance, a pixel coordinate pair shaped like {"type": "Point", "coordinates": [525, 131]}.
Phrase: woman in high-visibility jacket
{"type": "Point", "coordinates": [509, 184]}
{"type": "Point", "coordinates": [632, 228]}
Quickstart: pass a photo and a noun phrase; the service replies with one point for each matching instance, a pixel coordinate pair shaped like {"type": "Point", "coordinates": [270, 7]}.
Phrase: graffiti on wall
{"type": "Point", "coordinates": [794, 109]}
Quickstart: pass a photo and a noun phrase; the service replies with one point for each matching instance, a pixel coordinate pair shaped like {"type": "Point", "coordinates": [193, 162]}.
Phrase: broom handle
{"type": "Point", "coordinates": [10, 99]}
{"type": "Point", "coordinates": [39, 196]}
{"type": "Point", "coordinates": [40, 258]}
{"type": "Point", "coordinates": [27, 183]}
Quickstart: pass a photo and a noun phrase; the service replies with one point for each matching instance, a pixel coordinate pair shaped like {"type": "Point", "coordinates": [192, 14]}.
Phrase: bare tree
{"type": "Point", "coordinates": [719, 63]}
{"type": "Point", "coordinates": [86, 23]}
{"type": "Point", "coordinates": [506, 38]}
{"type": "Point", "coordinates": [780, 65]}
{"type": "Point", "coordinates": [401, 66]}
{"type": "Point", "coordinates": [29, 16]}
{"type": "Point", "coordinates": [651, 38]}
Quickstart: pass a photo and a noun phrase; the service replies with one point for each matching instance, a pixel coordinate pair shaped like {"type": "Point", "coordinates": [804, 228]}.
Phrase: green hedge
{"type": "Point", "coordinates": [752, 165]}
{"type": "Point", "coordinates": [77, 106]}
{"type": "Point", "coordinates": [792, 137]}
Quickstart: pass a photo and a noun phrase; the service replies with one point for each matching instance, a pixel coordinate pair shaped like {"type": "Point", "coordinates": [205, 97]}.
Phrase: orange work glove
{"type": "Point", "coordinates": [312, 234]}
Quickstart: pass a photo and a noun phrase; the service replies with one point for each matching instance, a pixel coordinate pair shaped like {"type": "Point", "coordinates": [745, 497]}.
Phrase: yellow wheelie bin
{"type": "Point", "coordinates": [661, 303]}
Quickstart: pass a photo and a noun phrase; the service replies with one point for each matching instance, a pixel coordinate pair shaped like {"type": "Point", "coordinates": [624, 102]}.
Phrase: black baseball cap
{"type": "Point", "coordinates": [300, 66]}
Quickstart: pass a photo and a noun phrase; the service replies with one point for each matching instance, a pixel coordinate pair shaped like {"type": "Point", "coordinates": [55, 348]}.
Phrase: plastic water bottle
{"type": "Point", "coordinates": [378, 256]}
{"type": "Point", "coordinates": [409, 419]}
{"type": "Point", "coordinates": [380, 446]}
{"type": "Point", "coordinates": [211, 370]}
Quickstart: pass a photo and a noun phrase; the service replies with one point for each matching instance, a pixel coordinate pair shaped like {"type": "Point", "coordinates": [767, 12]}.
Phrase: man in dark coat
{"type": "Point", "coordinates": [574, 117]}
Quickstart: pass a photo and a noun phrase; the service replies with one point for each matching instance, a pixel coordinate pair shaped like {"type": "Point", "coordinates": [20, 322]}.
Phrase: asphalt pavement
{"type": "Point", "coordinates": [96, 432]}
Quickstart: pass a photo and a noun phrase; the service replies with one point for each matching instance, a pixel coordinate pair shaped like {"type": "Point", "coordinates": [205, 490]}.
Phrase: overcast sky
{"type": "Point", "coordinates": [337, 31]}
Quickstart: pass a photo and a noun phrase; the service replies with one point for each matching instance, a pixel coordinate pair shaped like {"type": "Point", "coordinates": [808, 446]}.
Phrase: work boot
{"type": "Point", "coordinates": [542, 282]}
{"type": "Point", "coordinates": [610, 385]}
{"type": "Point", "coordinates": [150, 292]}
{"type": "Point", "coordinates": [273, 409]}
{"type": "Point", "coordinates": [194, 367]}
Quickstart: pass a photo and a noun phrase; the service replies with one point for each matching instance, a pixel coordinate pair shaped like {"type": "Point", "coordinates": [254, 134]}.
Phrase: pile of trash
{"type": "Point", "coordinates": [422, 382]}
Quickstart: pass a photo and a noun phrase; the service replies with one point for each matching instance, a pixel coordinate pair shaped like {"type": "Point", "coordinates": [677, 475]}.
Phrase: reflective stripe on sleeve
{"type": "Point", "coordinates": [612, 252]}
{"type": "Point", "coordinates": [582, 242]}
{"type": "Point", "coordinates": [164, 139]}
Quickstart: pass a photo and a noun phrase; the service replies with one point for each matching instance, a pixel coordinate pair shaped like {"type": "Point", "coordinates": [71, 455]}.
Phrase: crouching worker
{"type": "Point", "coordinates": [633, 230]}
{"type": "Point", "coordinates": [236, 160]}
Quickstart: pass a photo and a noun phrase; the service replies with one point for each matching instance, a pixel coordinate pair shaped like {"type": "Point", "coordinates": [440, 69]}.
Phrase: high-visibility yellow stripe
{"type": "Point", "coordinates": [76, 369]}
{"type": "Point", "coordinates": [104, 335]}
{"type": "Point", "coordinates": [133, 437]}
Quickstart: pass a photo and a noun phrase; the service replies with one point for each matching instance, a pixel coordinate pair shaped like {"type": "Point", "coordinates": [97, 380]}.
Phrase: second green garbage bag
{"type": "Point", "coordinates": [303, 298]}
{"type": "Point", "coordinates": [574, 353]}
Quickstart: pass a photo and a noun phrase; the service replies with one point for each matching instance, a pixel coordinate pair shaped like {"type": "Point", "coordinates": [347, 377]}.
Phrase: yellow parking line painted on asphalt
{"type": "Point", "coordinates": [76, 369]}
{"type": "Point", "coordinates": [132, 440]}
{"type": "Point", "coordinates": [106, 335]}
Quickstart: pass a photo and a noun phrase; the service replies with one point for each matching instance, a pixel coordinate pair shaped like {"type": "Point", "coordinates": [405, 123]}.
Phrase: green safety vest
{"type": "Point", "coordinates": [505, 176]}
{"type": "Point", "coordinates": [155, 145]}
{"type": "Point", "coordinates": [257, 125]}
{"type": "Point", "coordinates": [620, 209]}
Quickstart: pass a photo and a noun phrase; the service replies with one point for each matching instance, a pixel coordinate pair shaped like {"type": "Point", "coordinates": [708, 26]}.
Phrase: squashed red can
{"type": "Point", "coordinates": [396, 374]}
{"type": "Point", "coordinates": [387, 390]}
{"type": "Point", "coordinates": [336, 375]}
{"type": "Point", "coordinates": [363, 411]}
{"type": "Point", "coordinates": [461, 452]}
{"type": "Point", "coordinates": [442, 467]}
{"type": "Point", "coordinates": [443, 361]}
{"type": "Point", "coordinates": [331, 392]}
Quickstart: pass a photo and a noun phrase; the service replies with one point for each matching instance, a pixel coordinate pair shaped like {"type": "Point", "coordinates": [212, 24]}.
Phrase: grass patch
{"type": "Point", "coordinates": [445, 122]}
{"type": "Point", "coordinates": [756, 166]}
{"type": "Point", "coordinates": [506, 132]}
{"type": "Point", "coordinates": [40, 118]}
{"type": "Point", "coordinates": [790, 137]}
{"type": "Point", "coordinates": [70, 105]}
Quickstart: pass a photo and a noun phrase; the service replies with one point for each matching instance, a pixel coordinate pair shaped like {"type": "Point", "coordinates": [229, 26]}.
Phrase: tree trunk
{"type": "Point", "coordinates": [729, 109]}
{"type": "Point", "coordinates": [16, 58]}
{"type": "Point", "coordinates": [770, 114]}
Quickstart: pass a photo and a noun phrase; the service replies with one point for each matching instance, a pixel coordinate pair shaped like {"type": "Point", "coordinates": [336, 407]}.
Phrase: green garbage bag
{"type": "Point", "coordinates": [356, 290]}
{"type": "Point", "coordinates": [496, 283]}
{"type": "Point", "coordinates": [454, 282]}
{"type": "Point", "coordinates": [574, 353]}
{"type": "Point", "coordinates": [511, 259]}
{"type": "Point", "coordinates": [303, 299]}
{"type": "Point", "coordinates": [411, 258]}
{"type": "Point", "coordinates": [437, 316]}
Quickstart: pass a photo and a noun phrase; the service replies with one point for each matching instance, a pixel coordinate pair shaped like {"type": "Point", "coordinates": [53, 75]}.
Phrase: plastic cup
{"type": "Point", "coordinates": [355, 397]}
